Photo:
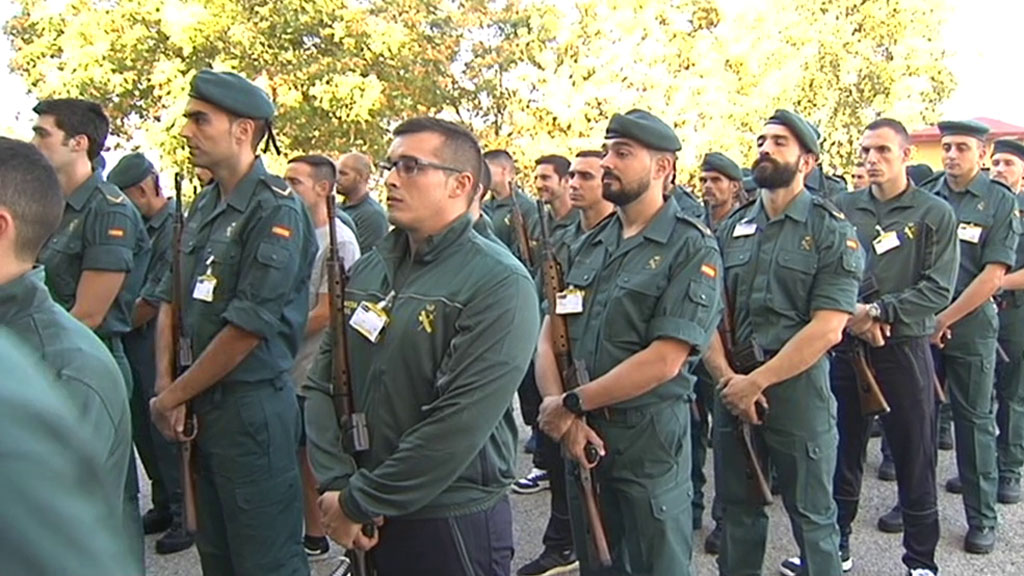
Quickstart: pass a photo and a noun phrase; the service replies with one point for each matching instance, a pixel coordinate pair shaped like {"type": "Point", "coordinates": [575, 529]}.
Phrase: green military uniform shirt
{"type": "Point", "coordinates": [368, 220]}
{"type": "Point", "coordinates": [688, 202]}
{"type": "Point", "coordinates": [89, 381]}
{"type": "Point", "coordinates": [437, 386]}
{"type": "Point", "coordinates": [778, 272]}
{"type": "Point", "coordinates": [500, 211]}
{"type": "Point", "coordinates": [912, 254]}
{"type": "Point", "coordinates": [485, 228]}
{"type": "Point", "coordinates": [834, 187]}
{"type": "Point", "coordinates": [660, 283]}
{"type": "Point", "coordinates": [101, 230]}
{"type": "Point", "coordinates": [160, 228]}
{"type": "Point", "coordinates": [988, 225]}
{"type": "Point", "coordinates": [55, 519]}
{"type": "Point", "coordinates": [246, 260]}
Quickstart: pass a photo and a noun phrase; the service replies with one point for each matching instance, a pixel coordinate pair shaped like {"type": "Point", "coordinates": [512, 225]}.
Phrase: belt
{"type": "Point", "coordinates": [630, 416]}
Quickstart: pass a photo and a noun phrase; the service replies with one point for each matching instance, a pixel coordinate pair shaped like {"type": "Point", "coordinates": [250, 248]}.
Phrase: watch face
{"type": "Point", "coordinates": [572, 402]}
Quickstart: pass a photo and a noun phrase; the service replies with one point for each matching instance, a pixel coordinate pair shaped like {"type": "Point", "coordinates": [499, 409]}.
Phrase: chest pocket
{"type": "Point", "coordinates": [792, 280]}
{"type": "Point", "coordinates": [636, 297]}
{"type": "Point", "coordinates": [62, 256]}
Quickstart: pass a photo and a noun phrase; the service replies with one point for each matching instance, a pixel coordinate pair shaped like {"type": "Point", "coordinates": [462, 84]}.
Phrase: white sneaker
{"type": "Point", "coordinates": [921, 572]}
{"type": "Point", "coordinates": [532, 483]}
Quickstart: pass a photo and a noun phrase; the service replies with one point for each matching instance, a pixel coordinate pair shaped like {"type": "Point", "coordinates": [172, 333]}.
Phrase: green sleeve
{"type": "Point", "coordinates": [1001, 243]}
{"type": "Point", "coordinates": [486, 360]}
{"type": "Point", "coordinates": [270, 267]}
{"type": "Point", "coordinates": [937, 277]}
{"type": "Point", "coordinates": [108, 239]}
{"type": "Point", "coordinates": [159, 266]}
{"type": "Point", "coordinates": [331, 463]}
{"type": "Point", "coordinates": [840, 266]}
{"type": "Point", "coordinates": [689, 308]}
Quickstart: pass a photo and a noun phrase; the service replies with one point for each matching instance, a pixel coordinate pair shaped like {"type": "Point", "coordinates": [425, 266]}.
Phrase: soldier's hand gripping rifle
{"type": "Point", "coordinates": [573, 374]}
{"type": "Point", "coordinates": [181, 355]}
{"type": "Point", "coordinates": [872, 401]}
{"type": "Point", "coordinates": [744, 360]}
{"type": "Point", "coordinates": [355, 436]}
{"type": "Point", "coordinates": [520, 230]}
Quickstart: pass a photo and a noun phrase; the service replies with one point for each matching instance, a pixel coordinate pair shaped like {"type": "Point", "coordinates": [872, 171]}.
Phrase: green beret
{"type": "Point", "coordinates": [801, 129]}
{"type": "Point", "coordinates": [645, 128]}
{"type": "Point", "coordinates": [131, 170]}
{"type": "Point", "coordinates": [1007, 146]}
{"type": "Point", "coordinates": [718, 162]}
{"type": "Point", "coordinates": [964, 128]}
{"type": "Point", "coordinates": [232, 93]}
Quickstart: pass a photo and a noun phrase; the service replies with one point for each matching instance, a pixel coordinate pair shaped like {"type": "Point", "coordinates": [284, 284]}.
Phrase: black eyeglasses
{"type": "Point", "coordinates": [408, 166]}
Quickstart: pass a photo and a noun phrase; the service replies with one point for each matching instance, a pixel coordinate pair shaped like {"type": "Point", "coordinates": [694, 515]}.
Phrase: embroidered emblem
{"type": "Point", "coordinates": [426, 318]}
{"type": "Point", "coordinates": [654, 262]}
{"type": "Point", "coordinates": [807, 243]}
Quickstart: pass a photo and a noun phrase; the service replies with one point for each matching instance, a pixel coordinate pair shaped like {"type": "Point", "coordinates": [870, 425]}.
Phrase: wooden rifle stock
{"type": "Point", "coordinates": [573, 374]}
{"type": "Point", "coordinates": [181, 355]}
{"type": "Point", "coordinates": [758, 479]}
{"type": "Point", "coordinates": [872, 401]}
{"type": "Point", "coordinates": [354, 433]}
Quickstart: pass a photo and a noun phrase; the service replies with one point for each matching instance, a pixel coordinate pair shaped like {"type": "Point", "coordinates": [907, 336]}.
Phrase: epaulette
{"type": "Point", "coordinates": [696, 222]}
{"type": "Point", "coordinates": [277, 184]}
{"type": "Point", "coordinates": [829, 207]}
{"type": "Point", "coordinates": [929, 183]}
{"type": "Point", "coordinates": [1002, 185]}
{"type": "Point", "coordinates": [112, 193]}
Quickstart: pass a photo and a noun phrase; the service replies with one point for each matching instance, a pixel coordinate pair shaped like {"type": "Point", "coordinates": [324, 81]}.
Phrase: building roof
{"type": "Point", "coordinates": [999, 129]}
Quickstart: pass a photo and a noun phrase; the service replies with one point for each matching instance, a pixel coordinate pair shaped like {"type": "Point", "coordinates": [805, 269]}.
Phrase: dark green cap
{"type": "Point", "coordinates": [1007, 146]}
{"type": "Point", "coordinates": [801, 129]}
{"type": "Point", "coordinates": [232, 93]}
{"type": "Point", "coordinates": [645, 128]}
{"type": "Point", "coordinates": [963, 128]}
{"type": "Point", "coordinates": [131, 170]}
{"type": "Point", "coordinates": [718, 162]}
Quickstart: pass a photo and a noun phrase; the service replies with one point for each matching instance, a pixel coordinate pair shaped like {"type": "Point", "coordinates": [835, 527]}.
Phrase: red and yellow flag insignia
{"type": "Point", "coordinates": [708, 270]}
{"type": "Point", "coordinates": [852, 244]}
{"type": "Point", "coordinates": [115, 232]}
{"type": "Point", "coordinates": [281, 231]}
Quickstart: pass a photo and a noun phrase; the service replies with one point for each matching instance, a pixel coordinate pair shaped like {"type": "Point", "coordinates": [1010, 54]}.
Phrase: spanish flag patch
{"type": "Point", "coordinates": [708, 270]}
{"type": "Point", "coordinates": [852, 244]}
{"type": "Point", "coordinates": [281, 231]}
{"type": "Point", "coordinates": [115, 232]}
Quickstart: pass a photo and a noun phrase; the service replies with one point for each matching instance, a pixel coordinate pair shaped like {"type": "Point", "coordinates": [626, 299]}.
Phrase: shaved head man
{"type": "Point", "coordinates": [353, 181]}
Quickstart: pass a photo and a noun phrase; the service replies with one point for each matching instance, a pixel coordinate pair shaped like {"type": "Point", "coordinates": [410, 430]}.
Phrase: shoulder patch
{"type": "Point", "coordinates": [829, 207]}
{"type": "Point", "coordinates": [931, 183]}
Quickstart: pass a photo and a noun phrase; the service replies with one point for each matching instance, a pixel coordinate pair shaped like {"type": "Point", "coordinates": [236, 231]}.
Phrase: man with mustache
{"type": "Point", "coordinates": [642, 297]}
{"type": "Point", "coordinates": [966, 331]}
{"type": "Point", "coordinates": [247, 253]}
{"type": "Point", "coordinates": [792, 269]}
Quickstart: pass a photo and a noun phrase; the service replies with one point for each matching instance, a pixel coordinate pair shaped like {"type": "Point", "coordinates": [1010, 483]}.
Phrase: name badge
{"type": "Point", "coordinates": [205, 285]}
{"type": "Point", "coordinates": [969, 232]}
{"type": "Point", "coordinates": [744, 229]}
{"type": "Point", "coordinates": [569, 302]}
{"type": "Point", "coordinates": [369, 320]}
{"type": "Point", "coordinates": [885, 242]}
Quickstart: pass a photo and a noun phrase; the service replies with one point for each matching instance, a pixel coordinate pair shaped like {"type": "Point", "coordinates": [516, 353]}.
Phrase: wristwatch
{"type": "Point", "coordinates": [874, 311]}
{"type": "Point", "coordinates": [572, 402]}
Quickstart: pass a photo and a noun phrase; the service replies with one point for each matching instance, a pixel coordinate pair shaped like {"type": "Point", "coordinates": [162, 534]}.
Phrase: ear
{"type": "Point", "coordinates": [323, 188]}
{"type": "Point", "coordinates": [242, 130]}
{"type": "Point", "coordinates": [7, 233]}
{"type": "Point", "coordinates": [461, 185]}
{"type": "Point", "coordinates": [905, 154]}
{"type": "Point", "coordinates": [79, 143]}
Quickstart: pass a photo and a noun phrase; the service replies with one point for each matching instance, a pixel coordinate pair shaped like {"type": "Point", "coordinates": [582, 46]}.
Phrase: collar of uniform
{"type": "Point", "coordinates": [81, 194]}
{"type": "Point", "coordinates": [396, 244]}
{"type": "Point", "coordinates": [658, 229]}
{"type": "Point", "coordinates": [21, 295]}
{"type": "Point", "coordinates": [158, 219]}
{"type": "Point", "coordinates": [246, 188]}
{"type": "Point", "coordinates": [798, 209]}
{"type": "Point", "coordinates": [570, 220]}
{"type": "Point", "coordinates": [976, 186]}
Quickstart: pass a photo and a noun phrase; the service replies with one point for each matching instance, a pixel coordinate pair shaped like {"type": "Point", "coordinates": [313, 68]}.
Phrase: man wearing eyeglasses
{"type": "Point", "coordinates": [442, 328]}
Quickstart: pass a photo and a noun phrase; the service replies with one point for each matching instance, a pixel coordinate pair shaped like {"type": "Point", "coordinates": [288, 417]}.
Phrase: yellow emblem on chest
{"type": "Point", "coordinates": [654, 262]}
{"type": "Point", "coordinates": [807, 243]}
{"type": "Point", "coordinates": [426, 318]}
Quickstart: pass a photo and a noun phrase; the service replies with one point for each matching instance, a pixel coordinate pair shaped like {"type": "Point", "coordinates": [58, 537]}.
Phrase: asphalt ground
{"type": "Point", "coordinates": [874, 553]}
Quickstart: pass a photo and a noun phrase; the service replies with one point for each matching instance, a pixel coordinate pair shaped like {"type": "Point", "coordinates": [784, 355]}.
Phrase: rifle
{"type": "Point", "coordinates": [182, 358]}
{"type": "Point", "coordinates": [519, 229]}
{"type": "Point", "coordinates": [573, 374]}
{"type": "Point", "coordinates": [354, 434]}
{"type": "Point", "coordinates": [872, 401]}
{"type": "Point", "coordinates": [744, 361]}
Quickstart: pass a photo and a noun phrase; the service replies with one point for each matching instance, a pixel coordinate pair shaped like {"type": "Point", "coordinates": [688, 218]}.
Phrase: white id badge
{"type": "Point", "coordinates": [569, 302]}
{"type": "Point", "coordinates": [369, 320]}
{"type": "Point", "coordinates": [969, 232]}
{"type": "Point", "coordinates": [744, 229]}
{"type": "Point", "coordinates": [885, 242]}
{"type": "Point", "coordinates": [205, 285]}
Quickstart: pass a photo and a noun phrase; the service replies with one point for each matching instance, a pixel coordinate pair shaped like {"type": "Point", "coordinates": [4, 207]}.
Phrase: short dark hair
{"type": "Point", "coordinates": [259, 131]}
{"type": "Point", "coordinates": [590, 154]}
{"type": "Point", "coordinates": [30, 191]}
{"type": "Point", "coordinates": [459, 149]}
{"type": "Point", "coordinates": [76, 117]}
{"type": "Point", "coordinates": [559, 163]}
{"type": "Point", "coordinates": [894, 125]}
{"type": "Point", "coordinates": [485, 178]}
{"type": "Point", "coordinates": [501, 157]}
{"type": "Point", "coordinates": [324, 169]}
